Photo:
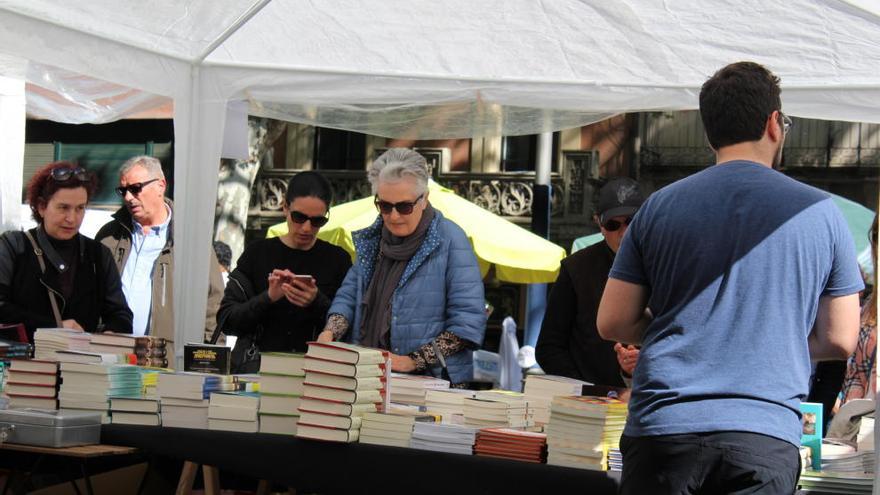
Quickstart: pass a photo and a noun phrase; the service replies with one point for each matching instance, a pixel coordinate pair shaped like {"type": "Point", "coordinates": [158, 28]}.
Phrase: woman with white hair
{"type": "Point", "coordinates": [415, 288]}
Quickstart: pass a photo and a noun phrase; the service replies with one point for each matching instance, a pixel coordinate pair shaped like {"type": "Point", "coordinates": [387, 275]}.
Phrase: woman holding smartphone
{"type": "Point", "coordinates": [278, 295]}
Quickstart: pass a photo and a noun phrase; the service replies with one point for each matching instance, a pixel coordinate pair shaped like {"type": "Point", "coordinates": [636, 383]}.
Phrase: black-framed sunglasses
{"type": "Point", "coordinates": [135, 188]}
{"type": "Point", "coordinates": [300, 217]}
{"type": "Point", "coordinates": [613, 225]}
{"type": "Point", "coordinates": [64, 174]}
{"type": "Point", "coordinates": [402, 207]}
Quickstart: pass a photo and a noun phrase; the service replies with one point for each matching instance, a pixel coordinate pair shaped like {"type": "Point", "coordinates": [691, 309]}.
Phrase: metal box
{"type": "Point", "coordinates": [43, 428]}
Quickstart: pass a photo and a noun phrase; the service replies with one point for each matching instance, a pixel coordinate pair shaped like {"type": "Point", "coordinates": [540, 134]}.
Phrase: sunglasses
{"type": "Point", "coordinates": [299, 217]}
{"type": "Point", "coordinates": [63, 174]}
{"type": "Point", "coordinates": [786, 123]}
{"type": "Point", "coordinates": [403, 207]}
{"type": "Point", "coordinates": [135, 188]}
{"type": "Point", "coordinates": [613, 225]}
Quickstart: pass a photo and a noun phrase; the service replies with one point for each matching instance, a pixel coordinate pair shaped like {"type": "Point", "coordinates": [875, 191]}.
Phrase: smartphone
{"type": "Point", "coordinates": [305, 278]}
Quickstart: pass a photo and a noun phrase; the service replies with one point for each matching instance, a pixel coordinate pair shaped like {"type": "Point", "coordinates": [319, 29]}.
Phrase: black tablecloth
{"type": "Point", "coordinates": [356, 468]}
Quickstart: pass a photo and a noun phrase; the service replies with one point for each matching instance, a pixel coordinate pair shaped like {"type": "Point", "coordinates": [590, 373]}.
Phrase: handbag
{"type": "Point", "coordinates": [246, 353]}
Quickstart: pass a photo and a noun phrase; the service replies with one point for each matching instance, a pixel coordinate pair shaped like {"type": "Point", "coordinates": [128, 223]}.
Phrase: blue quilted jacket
{"type": "Point", "coordinates": [440, 289]}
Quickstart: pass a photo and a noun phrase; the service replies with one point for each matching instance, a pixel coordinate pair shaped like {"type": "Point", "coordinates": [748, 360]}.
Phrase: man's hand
{"type": "Point", "coordinates": [300, 292]}
{"type": "Point", "coordinates": [325, 336]}
{"type": "Point", "coordinates": [72, 325]}
{"type": "Point", "coordinates": [403, 364]}
{"type": "Point", "coordinates": [627, 357]}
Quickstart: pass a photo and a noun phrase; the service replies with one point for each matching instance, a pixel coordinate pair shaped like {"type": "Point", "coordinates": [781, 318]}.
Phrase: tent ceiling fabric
{"type": "Point", "coordinates": [424, 70]}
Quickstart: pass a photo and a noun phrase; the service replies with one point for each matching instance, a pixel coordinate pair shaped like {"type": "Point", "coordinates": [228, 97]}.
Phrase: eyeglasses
{"type": "Point", "coordinates": [786, 123]}
{"type": "Point", "coordinates": [613, 225]}
{"type": "Point", "coordinates": [403, 207]}
{"type": "Point", "coordinates": [63, 174]}
{"type": "Point", "coordinates": [135, 188]}
{"type": "Point", "coordinates": [299, 217]}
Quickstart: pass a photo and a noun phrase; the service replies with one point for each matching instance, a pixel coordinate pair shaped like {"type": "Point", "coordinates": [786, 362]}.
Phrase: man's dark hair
{"type": "Point", "coordinates": [224, 254]}
{"type": "Point", "coordinates": [736, 101]}
{"type": "Point", "coordinates": [305, 184]}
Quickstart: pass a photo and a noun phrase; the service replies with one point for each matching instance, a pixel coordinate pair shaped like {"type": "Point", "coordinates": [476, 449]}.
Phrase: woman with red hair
{"type": "Point", "coordinates": [53, 276]}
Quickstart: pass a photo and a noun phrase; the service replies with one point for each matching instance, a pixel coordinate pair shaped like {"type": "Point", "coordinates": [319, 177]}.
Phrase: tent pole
{"type": "Point", "coordinates": [231, 29]}
{"type": "Point", "coordinates": [537, 293]}
{"type": "Point", "coordinates": [12, 124]}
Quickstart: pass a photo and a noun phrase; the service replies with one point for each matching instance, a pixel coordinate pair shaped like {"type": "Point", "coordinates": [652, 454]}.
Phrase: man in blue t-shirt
{"type": "Point", "coordinates": [731, 280]}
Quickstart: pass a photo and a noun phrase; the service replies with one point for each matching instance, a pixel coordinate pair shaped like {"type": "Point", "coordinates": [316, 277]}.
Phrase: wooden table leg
{"type": "Point", "coordinates": [187, 477]}
{"type": "Point", "coordinates": [212, 480]}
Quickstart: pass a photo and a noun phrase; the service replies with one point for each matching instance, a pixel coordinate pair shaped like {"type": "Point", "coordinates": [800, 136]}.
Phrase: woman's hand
{"type": "Point", "coordinates": [325, 336]}
{"type": "Point", "coordinates": [627, 357]}
{"type": "Point", "coordinates": [300, 292]}
{"type": "Point", "coordinates": [403, 364]}
{"type": "Point", "coordinates": [72, 325]}
{"type": "Point", "coordinates": [276, 280]}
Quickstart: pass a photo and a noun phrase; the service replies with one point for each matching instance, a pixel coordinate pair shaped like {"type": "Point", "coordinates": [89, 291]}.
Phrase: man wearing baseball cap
{"type": "Point", "coordinates": [569, 344]}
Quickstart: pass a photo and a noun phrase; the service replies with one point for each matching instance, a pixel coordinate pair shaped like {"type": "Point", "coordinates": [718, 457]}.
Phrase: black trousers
{"type": "Point", "coordinates": [709, 463]}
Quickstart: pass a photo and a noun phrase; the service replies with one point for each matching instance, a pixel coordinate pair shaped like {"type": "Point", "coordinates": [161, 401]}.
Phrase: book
{"type": "Point", "coordinates": [278, 424]}
{"type": "Point", "coordinates": [207, 358]}
{"type": "Point", "coordinates": [348, 396]}
{"type": "Point", "coordinates": [135, 418]}
{"type": "Point", "coordinates": [281, 384]}
{"type": "Point", "coordinates": [282, 363]}
{"type": "Point", "coordinates": [30, 390]}
{"type": "Point", "coordinates": [342, 369]}
{"type": "Point", "coordinates": [127, 340]}
{"type": "Point", "coordinates": [345, 353]}
{"type": "Point", "coordinates": [811, 436]}
{"type": "Point", "coordinates": [279, 404]}
{"type": "Point", "coordinates": [134, 405]}
{"type": "Point", "coordinates": [25, 402]}
{"type": "Point", "coordinates": [344, 382]}
{"type": "Point", "coordinates": [233, 425]}
{"type": "Point", "coordinates": [326, 420]}
{"type": "Point", "coordinates": [326, 434]}
{"type": "Point", "coordinates": [73, 356]}
{"type": "Point", "coordinates": [308, 404]}
{"type": "Point", "coordinates": [31, 377]}
{"type": "Point", "coordinates": [33, 365]}
{"type": "Point", "coordinates": [151, 362]}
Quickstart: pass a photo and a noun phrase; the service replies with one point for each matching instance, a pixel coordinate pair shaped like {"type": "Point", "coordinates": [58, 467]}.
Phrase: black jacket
{"type": "Point", "coordinates": [97, 302]}
{"type": "Point", "coordinates": [569, 344]}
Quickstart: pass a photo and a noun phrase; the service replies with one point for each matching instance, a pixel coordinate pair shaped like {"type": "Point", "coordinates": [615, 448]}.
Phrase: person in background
{"type": "Point", "coordinates": [569, 344]}
{"type": "Point", "coordinates": [732, 280]}
{"type": "Point", "coordinates": [140, 238]}
{"type": "Point", "coordinates": [224, 259]}
{"type": "Point", "coordinates": [415, 288]}
{"type": "Point", "coordinates": [277, 296]}
{"type": "Point", "coordinates": [860, 381]}
{"type": "Point", "coordinates": [55, 261]}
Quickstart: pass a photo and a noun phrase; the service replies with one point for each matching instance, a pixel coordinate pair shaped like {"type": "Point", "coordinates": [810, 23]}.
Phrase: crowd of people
{"type": "Point", "coordinates": [709, 300]}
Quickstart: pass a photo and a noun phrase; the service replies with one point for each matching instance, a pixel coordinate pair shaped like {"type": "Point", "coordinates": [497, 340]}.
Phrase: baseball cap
{"type": "Point", "coordinates": [619, 197]}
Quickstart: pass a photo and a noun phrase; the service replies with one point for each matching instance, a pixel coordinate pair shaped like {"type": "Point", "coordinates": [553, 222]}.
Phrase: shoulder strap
{"type": "Point", "coordinates": [39, 254]}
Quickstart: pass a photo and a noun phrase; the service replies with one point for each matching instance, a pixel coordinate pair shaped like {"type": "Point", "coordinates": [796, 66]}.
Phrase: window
{"type": "Point", "coordinates": [339, 150]}
{"type": "Point", "coordinates": [520, 153]}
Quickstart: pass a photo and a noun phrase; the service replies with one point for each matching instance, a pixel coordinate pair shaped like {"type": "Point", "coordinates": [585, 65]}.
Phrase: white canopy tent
{"type": "Point", "coordinates": [417, 69]}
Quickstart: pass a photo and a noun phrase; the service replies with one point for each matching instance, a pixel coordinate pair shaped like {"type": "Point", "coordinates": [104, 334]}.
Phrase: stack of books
{"type": "Point", "coordinates": [393, 429]}
{"type": "Point", "coordinates": [843, 458]}
{"type": "Point", "coordinates": [584, 432]}
{"type": "Point", "coordinates": [411, 389]}
{"type": "Point", "coordinates": [32, 383]}
{"type": "Point", "coordinates": [13, 350]}
{"type": "Point", "coordinates": [135, 411]}
{"type": "Point", "coordinates": [234, 411]}
{"type": "Point", "coordinates": [279, 407]}
{"type": "Point", "coordinates": [47, 341]}
{"type": "Point", "coordinates": [89, 387]}
{"type": "Point", "coordinates": [540, 390]}
{"type": "Point", "coordinates": [148, 350]}
{"type": "Point", "coordinates": [444, 437]}
{"type": "Point", "coordinates": [349, 379]}
{"type": "Point", "coordinates": [185, 397]}
{"type": "Point", "coordinates": [830, 482]}
{"type": "Point", "coordinates": [449, 403]}
{"type": "Point", "coordinates": [508, 443]}
{"type": "Point", "coordinates": [498, 408]}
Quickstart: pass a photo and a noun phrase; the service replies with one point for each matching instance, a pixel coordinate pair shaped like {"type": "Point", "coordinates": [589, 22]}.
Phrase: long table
{"type": "Point", "coordinates": [355, 468]}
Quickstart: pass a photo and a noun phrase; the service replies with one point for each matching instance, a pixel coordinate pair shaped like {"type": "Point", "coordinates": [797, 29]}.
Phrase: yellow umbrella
{"type": "Point", "coordinates": [519, 256]}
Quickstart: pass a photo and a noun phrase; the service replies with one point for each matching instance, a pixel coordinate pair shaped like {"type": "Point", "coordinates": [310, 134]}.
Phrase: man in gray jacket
{"type": "Point", "coordinates": [140, 239]}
